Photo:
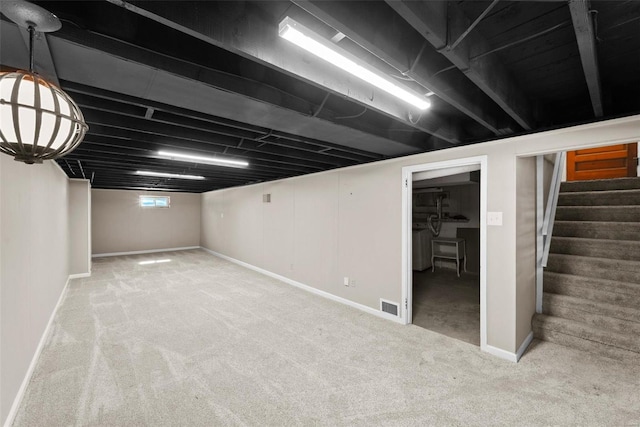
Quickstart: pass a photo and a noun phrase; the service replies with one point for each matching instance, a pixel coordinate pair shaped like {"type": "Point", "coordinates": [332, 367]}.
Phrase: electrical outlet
{"type": "Point", "coordinates": [352, 283]}
{"type": "Point", "coordinates": [290, 266]}
{"type": "Point", "coordinates": [346, 281]}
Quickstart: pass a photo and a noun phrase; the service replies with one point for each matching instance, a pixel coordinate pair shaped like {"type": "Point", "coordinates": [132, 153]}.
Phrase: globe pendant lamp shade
{"type": "Point", "coordinates": [38, 121]}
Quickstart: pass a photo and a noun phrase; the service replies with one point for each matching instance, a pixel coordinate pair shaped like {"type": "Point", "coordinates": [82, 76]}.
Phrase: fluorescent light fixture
{"type": "Point", "coordinates": [152, 188]}
{"type": "Point", "coordinates": [308, 40]}
{"type": "Point", "coordinates": [155, 261]}
{"type": "Point", "coordinates": [168, 175]}
{"type": "Point", "coordinates": [201, 159]}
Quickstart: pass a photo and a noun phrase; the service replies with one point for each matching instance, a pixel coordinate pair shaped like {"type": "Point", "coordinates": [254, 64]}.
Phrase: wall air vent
{"type": "Point", "coordinates": [389, 307]}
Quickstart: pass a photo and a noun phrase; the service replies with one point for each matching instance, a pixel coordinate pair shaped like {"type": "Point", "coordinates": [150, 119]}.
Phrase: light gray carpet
{"type": "Point", "coordinates": [200, 341]}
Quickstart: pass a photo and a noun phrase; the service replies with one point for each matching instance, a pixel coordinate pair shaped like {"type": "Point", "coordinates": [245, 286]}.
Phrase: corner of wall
{"type": "Point", "coordinates": [79, 225]}
{"type": "Point", "coordinates": [526, 254]}
{"type": "Point", "coordinates": [34, 222]}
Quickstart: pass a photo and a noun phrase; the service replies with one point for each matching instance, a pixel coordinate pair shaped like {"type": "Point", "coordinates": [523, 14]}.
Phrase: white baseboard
{"type": "Point", "coordinates": [507, 355]}
{"type": "Point", "coordinates": [79, 275]}
{"type": "Point", "coordinates": [525, 344]}
{"type": "Point", "coordinates": [34, 361]}
{"type": "Point", "coordinates": [148, 251]}
{"type": "Point", "coordinates": [308, 288]}
{"type": "Point", "coordinates": [502, 354]}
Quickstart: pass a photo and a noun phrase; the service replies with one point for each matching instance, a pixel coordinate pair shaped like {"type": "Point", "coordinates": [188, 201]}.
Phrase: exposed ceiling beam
{"type": "Point", "coordinates": [586, 38]}
{"type": "Point", "coordinates": [265, 140]}
{"type": "Point", "coordinates": [93, 116]}
{"type": "Point", "coordinates": [196, 92]}
{"type": "Point", "coordinates": [234, 127]}
{"type": "Point", "coordinates": [403, 48]}
{"type": "Point", "coordinates": [255, 37]}
{"type": "Point", "coordinates": [149, 188]}
{"type": "Point", "coordinates": [110, 165]}
{"type": "Point", "coordinates": [441, 23]}
{"type": "Point", "coordinates": [119, 67]}
{"type": "Point", "coordinates": [260, 163]}
{"type": "Point", "coordinates": [113, 163]}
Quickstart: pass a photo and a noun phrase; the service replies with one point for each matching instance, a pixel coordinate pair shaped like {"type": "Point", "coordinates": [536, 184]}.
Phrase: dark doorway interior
{"type": "Point", "coordinates": [448, 304]}
{"type": "Point", "coordinates": [446, 296]}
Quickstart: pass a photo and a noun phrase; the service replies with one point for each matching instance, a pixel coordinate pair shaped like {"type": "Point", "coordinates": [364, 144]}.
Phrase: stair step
{"type": "Point", "coordinates": [609, 291]}
{"type": "Point", "coordinates": [598, 213]}
{"type": "Point", "coordinates": [597, 230]}
{"type": "Point", "coordinates": [600, 321]}
{"type": "Point", "coordinates": [603, 268]}
{"type": "Point", "coordinates": [591, 295]}
{"type": "Point", "coordinates": [600, 198]}
{"type": "Point", "coordinates": [601, 185]}
{"type": "Point", "coordinates": [593, 308]}
{"type": "Point", "coordinates": [624, 341]}
{"type": "Point", "coordinates": [583, 344]}
{"type": "Point", "coordinates": [614, 249]}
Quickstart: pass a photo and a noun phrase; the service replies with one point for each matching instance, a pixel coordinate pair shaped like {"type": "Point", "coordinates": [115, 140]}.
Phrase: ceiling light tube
{"type": "Point", "coordinates": [201, 159]}
{"type": "Point", "coordinates": [168, 175]}
{"type": "Point", "coordinates": [308, 40]}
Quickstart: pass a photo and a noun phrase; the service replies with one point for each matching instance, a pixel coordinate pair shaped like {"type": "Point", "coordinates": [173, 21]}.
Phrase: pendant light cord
{"type": "Point", "coordinates": [32, 32]}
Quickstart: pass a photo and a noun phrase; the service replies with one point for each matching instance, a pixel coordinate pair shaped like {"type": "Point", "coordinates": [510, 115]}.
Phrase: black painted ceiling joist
{"type": "Point", "coordinates": [213, 78]}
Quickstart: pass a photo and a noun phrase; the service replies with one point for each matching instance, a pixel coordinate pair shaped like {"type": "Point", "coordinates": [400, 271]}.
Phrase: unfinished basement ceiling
{"type": "Point", "coordinates": [215, 79]}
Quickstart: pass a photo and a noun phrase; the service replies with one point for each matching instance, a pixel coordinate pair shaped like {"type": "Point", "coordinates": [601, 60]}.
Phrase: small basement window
{"type": "Point", "coordinates": [155, 201]}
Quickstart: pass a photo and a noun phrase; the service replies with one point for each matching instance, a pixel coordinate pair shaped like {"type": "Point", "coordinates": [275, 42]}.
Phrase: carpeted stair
{"type": "Point", "coordinates": [592, 280]}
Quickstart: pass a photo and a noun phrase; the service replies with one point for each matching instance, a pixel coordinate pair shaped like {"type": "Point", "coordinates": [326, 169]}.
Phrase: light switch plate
{"type": "Point", "coordinates": [494, 218]}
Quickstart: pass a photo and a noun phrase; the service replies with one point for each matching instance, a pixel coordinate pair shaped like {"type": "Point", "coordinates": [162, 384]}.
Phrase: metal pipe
{"type": "Point", "coordinates": [473, 25]}
{"type": "Point", "coordinates": [81, 170]}
{"type": "Point", "coordinates": [315, 114]}
{"type": "Point", "coordinates": [69, 166]}
{"type": "Point", "coordinates": [351, 117]}
{"type": "Point", "coordinates": [437, 218]}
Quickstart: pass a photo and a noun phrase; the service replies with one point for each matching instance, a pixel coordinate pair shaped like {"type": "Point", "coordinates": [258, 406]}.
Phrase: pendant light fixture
{"type": "Point", "coordinates": [38, 121]}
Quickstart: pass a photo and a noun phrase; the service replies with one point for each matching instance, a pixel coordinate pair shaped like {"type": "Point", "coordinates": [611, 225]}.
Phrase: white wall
{"type": "Point", "coordinates": [347, 222]}
{"type": "Point", "coordinates": [526, 245]}
{"type": "Point", "coordinates": [33, 264]}
{"type": "Point", "coordinates": [119, 224]}
{"type": "Point", "coordinates": [3, 412]}
{"type": "Point", "coordinates": [79, 226]}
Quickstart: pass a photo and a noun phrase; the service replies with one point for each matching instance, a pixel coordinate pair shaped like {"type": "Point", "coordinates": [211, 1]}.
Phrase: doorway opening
{"type": "Point", "coordinates": [444, 276]}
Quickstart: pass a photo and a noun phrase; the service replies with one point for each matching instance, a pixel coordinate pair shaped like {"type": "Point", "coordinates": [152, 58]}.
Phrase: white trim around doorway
{"type": "Point", "coordinates": [407, 186]}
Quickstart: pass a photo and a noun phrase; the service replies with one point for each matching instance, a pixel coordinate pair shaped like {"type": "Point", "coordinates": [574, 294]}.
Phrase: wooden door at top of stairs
{"type": "Point", "coordinates": [615, 161]}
